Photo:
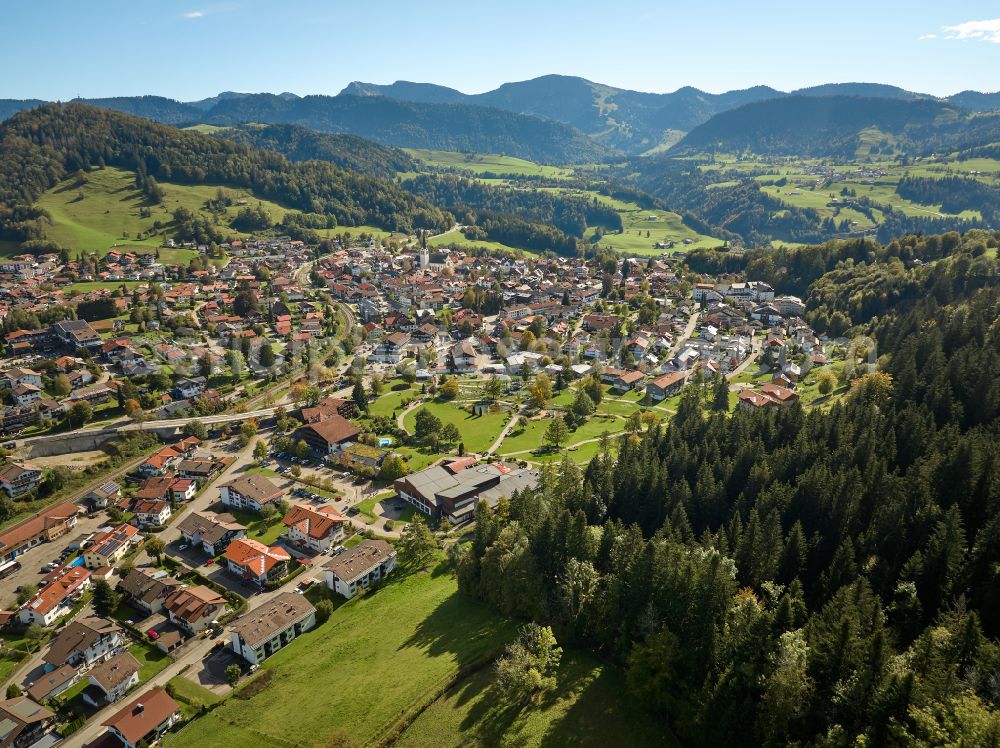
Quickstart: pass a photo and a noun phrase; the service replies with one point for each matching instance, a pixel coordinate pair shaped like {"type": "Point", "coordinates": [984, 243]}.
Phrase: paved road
{"type": "Point", "coordinates": [196, 649]}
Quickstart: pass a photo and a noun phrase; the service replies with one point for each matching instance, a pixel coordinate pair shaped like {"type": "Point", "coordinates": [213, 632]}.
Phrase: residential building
{"type": "Point", "coordinates": [194, 608]}
{"type": "Point", "coordinates": [210, 531]}
{"type": "Point", "coordinates": [359, 567]}
{"type": "Point", "coordinates": [314, 528]}
{"type": "Point", "coordinates": [260, 633]}
{"type": "Point", "coordinates": [254, 562]}
{"type": "Point", "coordinates": [76, 333]}
{"type": "Point", "coordinates": [103, 495]}
{"type": "Point", "coordinates": [48, 524]}
{"type": "Point", "coordinates": [109, 547]}
{"type": "Point", "coordinates": [19, 478]}
{"type": "Point", "coordinates": [53, 682]}
{"type": "Point", "coordinates": [151, 512]}
{"type": "Point", "coordinates": [391, 349]}
{"type": "Point", "coordinates": [55, 599]}
{"type": "Point", "coordinates": [145, 718]}
{"type": "Point", "coordinates": [85, 642]}
{"type": "Point", "coordinates": [112, 679]}
{"type": "Point", "coordinates": [23, 723]}
{"type": "Point", "coordinates": [147, 589]}
{"type": "Point", "coordinates": [665, 386]}
{"type": "Point", "coordinates": [768, 396]}
{"type": "Point", "coordinates": [329, 436]}
{"type": "Point", "coordinates": [249, 491]}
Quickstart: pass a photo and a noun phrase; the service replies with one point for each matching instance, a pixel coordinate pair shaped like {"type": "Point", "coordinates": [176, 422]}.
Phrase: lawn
{"type": "Point", "coordinates": [588, 707]}
{"type": "Point", "coordinates": [257, 528]}
{"type": "Point", "coordinates": [151, 659]}
{"type": "Point", "coordinates": [478, 432]}
{"type": "Point", "coordinates": [379, 656]}
{"type": "Point", "coordinates": [534, 435]}
{"type": "Point", "coordinates": [391, 401]}
{"type": "Point", "coordinates": [190, 695]}
{"type": "Point", "coordinates": [367, 507]}
{"type": "Point", "coordinates": [88, 286]}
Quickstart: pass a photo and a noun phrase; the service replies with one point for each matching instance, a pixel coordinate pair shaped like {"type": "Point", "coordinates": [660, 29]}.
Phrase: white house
{"type": "Point", "coordinates": [360, 566]}
{"type": "Point", "coordinates": [257, 635]}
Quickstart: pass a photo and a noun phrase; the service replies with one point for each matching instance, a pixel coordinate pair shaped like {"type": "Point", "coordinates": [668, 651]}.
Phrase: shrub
{"type": "Point", "coordinates": [255, 686]}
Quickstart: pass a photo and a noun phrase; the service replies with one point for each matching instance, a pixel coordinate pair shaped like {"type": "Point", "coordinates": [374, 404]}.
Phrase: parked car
{"type": "Point", "coordinates": [153, 634]}
{"type": "Point", "coordinates": [339, 549]}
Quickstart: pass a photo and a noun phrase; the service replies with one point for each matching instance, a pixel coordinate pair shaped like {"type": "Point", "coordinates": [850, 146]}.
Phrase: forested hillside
{"type": "Point", "coordinates": [845, 283]}
{"type": "Point", "coordinates": [38, 148]}
{"type": "Point", "coordinates": [781, 577]}
{"type": "Point", "coordinates": [572, 215]}
{"type": "Point", "coordinates": [828, 126]}
{"type": "Point", "coordinates": [301, 144]}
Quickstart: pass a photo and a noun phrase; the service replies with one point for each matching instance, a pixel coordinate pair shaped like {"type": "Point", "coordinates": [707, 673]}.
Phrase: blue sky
{"type": "Point", "coordinates": [58, 49]}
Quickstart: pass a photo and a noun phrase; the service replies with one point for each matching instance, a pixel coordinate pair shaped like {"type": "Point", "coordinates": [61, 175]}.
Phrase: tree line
{"type": "Point", "coordinates": [787, 577]}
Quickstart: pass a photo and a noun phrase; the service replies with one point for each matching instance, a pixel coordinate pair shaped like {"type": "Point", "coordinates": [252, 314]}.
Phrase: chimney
{"type": "Point", "coordinates": [139, 707]}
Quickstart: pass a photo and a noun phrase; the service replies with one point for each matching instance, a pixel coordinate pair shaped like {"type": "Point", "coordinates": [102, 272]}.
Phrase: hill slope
{"type": "Point", "coordinates": [813, 126]}
{"type": "Point", "coordinates": [301, 144]}
{"type": "Point", "coordinates": [41, 147]}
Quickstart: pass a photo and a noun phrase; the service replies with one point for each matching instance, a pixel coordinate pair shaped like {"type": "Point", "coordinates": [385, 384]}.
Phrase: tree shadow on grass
{"type": "Point", "coordinates": [464, 628]}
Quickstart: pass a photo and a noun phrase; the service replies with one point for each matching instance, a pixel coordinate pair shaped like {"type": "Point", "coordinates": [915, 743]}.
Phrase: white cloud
{"type": "Point", "coordinates": [194, 14]}
{"type": "Point", "coordinates": [986, 31]}
{"type": "Point", "coordinates": [925, 37]}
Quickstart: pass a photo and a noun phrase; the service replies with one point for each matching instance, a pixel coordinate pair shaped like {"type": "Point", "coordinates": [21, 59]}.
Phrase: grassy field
{"type": "Point", "coordinates": [586, 708]}
{"type": "Point", "coordinates": [456, 238]}
{"type": "Point", "coordinates": [661, 227]}
{"type": "Point", "coordinates": [478, 432]}
{"type": "Point", "coordinates": [105, 212]}
{"type": "Point", "coordinates": [377, 657]}
{"type": "Point", "coordinates": [88, 286]}
{"type": "Point", "coordinates": [481, 163]}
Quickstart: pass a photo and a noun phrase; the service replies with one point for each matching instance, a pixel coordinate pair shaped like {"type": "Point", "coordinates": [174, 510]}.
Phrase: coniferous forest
{"type": "Point", "coordinates": [829, 577]}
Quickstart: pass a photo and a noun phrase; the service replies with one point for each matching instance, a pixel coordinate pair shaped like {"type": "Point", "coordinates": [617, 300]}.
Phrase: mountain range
{"type": "Point", "coordinates": [553, 118]}
{"type": "Point", "coordinates": [633, 121]}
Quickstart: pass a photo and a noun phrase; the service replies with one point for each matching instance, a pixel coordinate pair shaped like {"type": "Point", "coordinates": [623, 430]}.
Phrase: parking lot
{"type": "Point", "coordinates": [35, 558]}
